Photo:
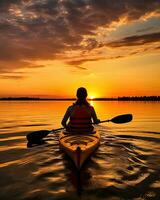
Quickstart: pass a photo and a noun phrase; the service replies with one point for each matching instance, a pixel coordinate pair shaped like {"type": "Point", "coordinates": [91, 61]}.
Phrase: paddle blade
{"type": "Point", "coordinates": [36, 136]}
{"type": "Point", "coordinates": [122, 119]}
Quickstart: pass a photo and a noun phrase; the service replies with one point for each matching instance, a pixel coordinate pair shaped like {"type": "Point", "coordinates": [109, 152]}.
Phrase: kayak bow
{"type": "Point", "coordinates": [79, 146]}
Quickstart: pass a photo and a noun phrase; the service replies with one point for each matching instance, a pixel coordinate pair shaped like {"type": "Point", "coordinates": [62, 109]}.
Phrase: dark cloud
{"type": "Point", "coordinates": [157, 47]}
{"type": "Point", "coordinates": [80, 61]}
{"type": "Point", "coordinates": [7, 67]}
{"type": "Point", "coordinates": [15, 77]}
{"type": "Point", "coordinates": [136, 40]}
{"type": "Point", "coordinates": [46, 8]}
{"type": "Point", "coordinates": [79, 67]}
{"type": "Point", "coordinates": [5, 4]}
{"type": "Point", "coordinates": [41, 30]}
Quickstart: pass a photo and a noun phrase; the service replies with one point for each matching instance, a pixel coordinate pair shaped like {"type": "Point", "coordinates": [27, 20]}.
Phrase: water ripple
{"type": "Point", "coordinates": [124, 167]}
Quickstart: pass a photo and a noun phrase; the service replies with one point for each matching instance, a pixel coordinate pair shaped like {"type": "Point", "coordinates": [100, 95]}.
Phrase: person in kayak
{"type": "Point", "coordinates": [80, 114]}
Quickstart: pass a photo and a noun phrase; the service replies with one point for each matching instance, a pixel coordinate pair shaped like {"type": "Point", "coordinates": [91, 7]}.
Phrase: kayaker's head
{"type": "Point", "coordinates": [81, 95]}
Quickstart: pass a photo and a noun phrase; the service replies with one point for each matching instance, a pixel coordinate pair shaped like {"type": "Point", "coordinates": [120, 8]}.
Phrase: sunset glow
{"type": "Point", "coordinates": [91, 97]}
{"type": "Point", "coordinates": [50, 48]}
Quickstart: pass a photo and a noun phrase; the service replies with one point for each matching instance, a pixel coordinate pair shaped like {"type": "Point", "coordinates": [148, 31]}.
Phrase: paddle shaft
{"type": "Point", "coordinates": [103, 121]}
{"type": "Point", "coordinates": [38, 135]}
{"type": "Point", "coordinates": [118, 119]}
{"type": "Point", "coordinates": [59, 129]}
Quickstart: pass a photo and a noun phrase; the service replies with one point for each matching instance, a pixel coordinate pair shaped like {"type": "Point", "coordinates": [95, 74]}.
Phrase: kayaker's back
{"type": "Point", "coordinates": [80, 119]}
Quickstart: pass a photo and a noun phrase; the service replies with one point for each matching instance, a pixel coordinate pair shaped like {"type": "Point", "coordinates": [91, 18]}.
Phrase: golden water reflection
{"type": "Point", "coordinates": [127, 160]}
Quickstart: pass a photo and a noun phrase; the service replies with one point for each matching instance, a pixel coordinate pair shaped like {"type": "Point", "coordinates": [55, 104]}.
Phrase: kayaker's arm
{"type": "Point", "coordinates": [94, 116]}
{"type": "Point", "coordinates": [66, 117]}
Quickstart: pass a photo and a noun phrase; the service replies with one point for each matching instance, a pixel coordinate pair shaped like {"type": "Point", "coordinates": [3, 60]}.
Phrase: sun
{"type": "Point", "coordinates": [91, 97]}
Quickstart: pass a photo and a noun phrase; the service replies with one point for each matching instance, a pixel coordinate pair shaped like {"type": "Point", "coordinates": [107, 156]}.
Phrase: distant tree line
{"type": "Point", "coordinates": [131, 98]}
{"type": "Point", "coordinates": [139, 98]}
{"type": "Point", "coordinates": [35, 99]}
{"type": "Point", "coordinates": [19, 98]}
{"type": "Point", "coordinates": [124, 98]}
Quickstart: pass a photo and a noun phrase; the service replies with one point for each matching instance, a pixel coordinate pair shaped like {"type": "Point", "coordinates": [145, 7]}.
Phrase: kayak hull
{"type": "Point", "coordinates": [79, 146]}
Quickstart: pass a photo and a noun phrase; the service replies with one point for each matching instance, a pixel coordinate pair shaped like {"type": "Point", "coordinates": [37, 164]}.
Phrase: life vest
{"type": "Point", "coordinates": [80, 119]}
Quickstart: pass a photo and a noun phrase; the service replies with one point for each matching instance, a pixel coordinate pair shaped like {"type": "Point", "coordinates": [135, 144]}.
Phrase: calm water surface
{"type": "Point", "coordinates": [125, 166]}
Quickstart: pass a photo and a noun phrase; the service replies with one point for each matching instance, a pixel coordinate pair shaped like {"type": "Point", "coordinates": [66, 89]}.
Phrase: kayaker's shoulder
{"type": "Point", "coordinates": [91, 107]}
{"type": "Point", "coordinates": [71, 107]}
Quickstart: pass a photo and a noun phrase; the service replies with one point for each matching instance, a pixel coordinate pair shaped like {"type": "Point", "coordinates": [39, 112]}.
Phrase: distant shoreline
{"type": "Point", "coordinates": [132, 98]}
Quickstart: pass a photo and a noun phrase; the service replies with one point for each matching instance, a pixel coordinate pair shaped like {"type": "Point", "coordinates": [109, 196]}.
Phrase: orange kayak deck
{"type": "Point", "coordinates": [79, 146]}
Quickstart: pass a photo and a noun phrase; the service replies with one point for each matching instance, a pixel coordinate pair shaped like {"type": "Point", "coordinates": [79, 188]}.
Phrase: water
{"type": "Point", "coordinates": [125, 166]}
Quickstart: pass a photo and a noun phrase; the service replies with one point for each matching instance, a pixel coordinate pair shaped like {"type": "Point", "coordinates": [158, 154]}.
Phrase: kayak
{"type": "Point", "coordinates": [79, 146]}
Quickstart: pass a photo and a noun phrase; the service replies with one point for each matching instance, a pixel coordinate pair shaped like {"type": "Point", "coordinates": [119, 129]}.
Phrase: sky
{"type": "Point", "coordinates": [49, 48]}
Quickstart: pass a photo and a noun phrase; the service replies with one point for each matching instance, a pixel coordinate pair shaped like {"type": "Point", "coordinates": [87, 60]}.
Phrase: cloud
{"type": "Point", "coordinates": [136, 40]}
{"type": "Point", "coordinates": [79, 67]}
{"type": "Point", "coordinates": [145, 29]}
{"type": "Point", "coordinates": [33, 30]}
{"type": "Point", "coordinates": [157, 47]}
{"type": "Point", "coordinates": [142, 41]}
{"type": "Point", "coordinates": [15, 77]}
{"type": "Point", "coordinates": [79, 61]}
{"type": "Point", "coordinates": [14, 67]}
{"type": "Point", "coordinates": [5, 4]}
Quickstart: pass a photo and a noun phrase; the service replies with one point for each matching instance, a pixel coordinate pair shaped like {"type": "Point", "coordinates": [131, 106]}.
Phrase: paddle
{"type": "Point", "coordinates": [120, 119]}
{"type": "Point", "coordinates": [37, 136]}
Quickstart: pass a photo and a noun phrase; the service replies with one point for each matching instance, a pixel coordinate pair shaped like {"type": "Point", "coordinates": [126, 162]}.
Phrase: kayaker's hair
{"type": "Point", "coordinates": [81, 95]}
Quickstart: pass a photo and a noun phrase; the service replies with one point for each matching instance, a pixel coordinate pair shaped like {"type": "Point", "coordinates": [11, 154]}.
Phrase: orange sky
{"type": "Point", "coordinates": [50, 48]}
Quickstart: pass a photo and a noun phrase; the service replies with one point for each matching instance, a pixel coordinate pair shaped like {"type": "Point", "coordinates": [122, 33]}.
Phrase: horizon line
{"type": "Point", "coordinates": [125, 98]}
